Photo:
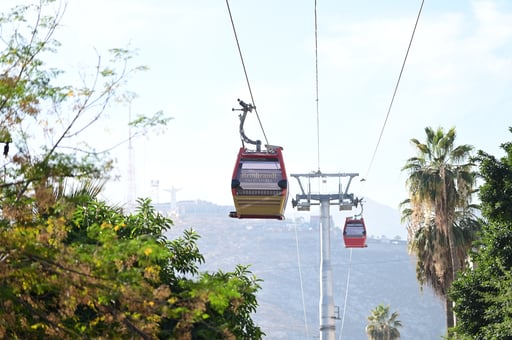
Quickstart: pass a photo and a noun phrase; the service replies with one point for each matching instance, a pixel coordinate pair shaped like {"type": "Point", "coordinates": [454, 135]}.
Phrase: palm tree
{"type": "Point", "coordinates": [438, 212]}
{"type": "Point", "coordinates": [381, 326]}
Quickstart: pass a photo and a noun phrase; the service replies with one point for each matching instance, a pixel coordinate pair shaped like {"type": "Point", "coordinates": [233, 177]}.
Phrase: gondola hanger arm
{"type": "Point", "coordinates": [245, 109]}
{"type": "Point", "coordinates": [359, 201]}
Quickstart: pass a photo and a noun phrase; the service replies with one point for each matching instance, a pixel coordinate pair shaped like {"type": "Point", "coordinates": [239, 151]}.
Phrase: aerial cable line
{"type": "Point", "coordinates": [346, 295]}
{"type": "Point", "coordinates": [395, 91]}
{"type": "Point", "coordinates": [301, 282]}
{"type": "Point", "coordinates": [376, 148]}
{"type": "Point", "coordinates": [245, 72]}
{"type": "Point", "coordinates": [316, 83]}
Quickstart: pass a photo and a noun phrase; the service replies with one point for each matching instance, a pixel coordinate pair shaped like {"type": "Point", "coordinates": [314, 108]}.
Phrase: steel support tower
{"type": "Point", "coordinates": [303, 202]}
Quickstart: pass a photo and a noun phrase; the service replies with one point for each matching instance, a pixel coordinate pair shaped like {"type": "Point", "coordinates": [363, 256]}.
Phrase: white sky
{"type": "Point", "coordinates": [459, 73]}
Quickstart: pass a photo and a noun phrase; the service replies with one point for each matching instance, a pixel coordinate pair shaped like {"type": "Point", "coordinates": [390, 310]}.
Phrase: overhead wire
{"type": "Point", "coordinates": [301, 282]}
{"type": "Point", "coordinates": [245, 72]}
{"type": "Point", "coordinates": [266, 140]}
{"type": "Point", "coordinates": [395, 91]}
{"type": "Point", "coordinates": [346, 295]}
{"type": "Point", "coordinates": [377, 147]}
{"type": "Point", "coordinates": [317, 90]}
{"type": "Point", "coordinates": [318, 138]}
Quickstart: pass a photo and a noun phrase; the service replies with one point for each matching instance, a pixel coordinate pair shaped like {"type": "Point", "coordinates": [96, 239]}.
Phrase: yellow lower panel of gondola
{"type": "Point", "coordinates": [260, 206]}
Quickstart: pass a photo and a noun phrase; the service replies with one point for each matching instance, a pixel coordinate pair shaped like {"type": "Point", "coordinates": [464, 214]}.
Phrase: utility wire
{"type": "Point", "coordinates": [376, 148]}
{"type": "Point", "coordinates": [316, 83]}
{"type": "Point", "coordinates": [301, 282]}
{"type": "Point", "coordinates": [245, 72]}
{"type": "Point", "coordinates": [346, 295]}
{"type": "Point", "coordinates": [396, 89]}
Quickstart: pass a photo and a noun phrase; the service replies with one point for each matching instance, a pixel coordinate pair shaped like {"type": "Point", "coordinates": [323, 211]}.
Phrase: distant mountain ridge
{"type": "Point", "coordinates": [381, 220]}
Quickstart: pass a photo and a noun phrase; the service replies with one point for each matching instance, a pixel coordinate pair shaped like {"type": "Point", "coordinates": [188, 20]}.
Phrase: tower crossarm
{"type": "Point", "coordinates": [304, 199]}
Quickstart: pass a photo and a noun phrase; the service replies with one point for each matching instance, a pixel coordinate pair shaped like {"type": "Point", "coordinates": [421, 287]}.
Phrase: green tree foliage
{"type": "Point", "coordinates": [98, 273]}
{"type": "Point", "coordinates": [440, 217]}
{"type": "Point", "coordinates": [483, 293]}
{"type": "Point", "coordinates": [71, 265]}
{"type": "Point", "coordinates": [382, 326]}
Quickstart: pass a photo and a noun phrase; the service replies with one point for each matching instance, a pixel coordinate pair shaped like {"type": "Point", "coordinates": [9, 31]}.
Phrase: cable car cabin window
{"type": "Point", "coordinates": [354, 230]}
{"type": "Point", "coordinates": [259, 176]}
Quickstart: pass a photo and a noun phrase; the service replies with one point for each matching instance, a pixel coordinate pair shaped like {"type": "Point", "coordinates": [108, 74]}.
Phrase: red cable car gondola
{"type": "Point", "coordinates": [259, 184]}
{"type": "Point", "coordinates": [354, 233]}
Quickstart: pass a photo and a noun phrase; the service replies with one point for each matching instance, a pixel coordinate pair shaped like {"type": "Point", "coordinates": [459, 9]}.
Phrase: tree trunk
{"type": "Point", "coordinates": [450, 317]}
{"type": "Point", "coordinates": [447, 220]}
{"type": "Point", "coordinates": [451, 320]}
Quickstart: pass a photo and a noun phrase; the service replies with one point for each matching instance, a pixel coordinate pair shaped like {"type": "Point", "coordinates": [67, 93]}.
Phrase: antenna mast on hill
{"type": "Point", "coordinates": [155, 190]}
{"type": "Point", "coordinates": [303, 202]}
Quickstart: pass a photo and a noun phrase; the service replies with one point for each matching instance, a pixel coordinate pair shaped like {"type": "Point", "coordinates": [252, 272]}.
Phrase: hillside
{"type": "Point", "coordinates": [382, 221]}
{"type": "Point", "coordinates": [286, 257]}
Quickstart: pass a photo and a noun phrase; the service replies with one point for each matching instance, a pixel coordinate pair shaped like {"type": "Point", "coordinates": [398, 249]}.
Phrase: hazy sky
{"type": "Point", "coordinates": [458, 74]}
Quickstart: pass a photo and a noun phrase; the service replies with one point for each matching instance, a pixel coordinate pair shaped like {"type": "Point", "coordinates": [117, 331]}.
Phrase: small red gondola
{"type": "Point", "coordinates": [354, 233]}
